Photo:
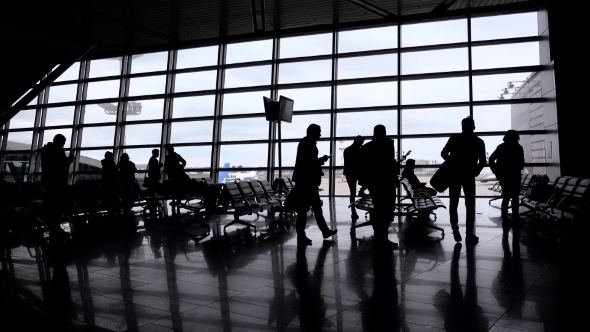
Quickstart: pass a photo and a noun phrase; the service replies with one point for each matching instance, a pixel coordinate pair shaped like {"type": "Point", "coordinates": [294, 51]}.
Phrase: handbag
{"type": "Point", "coordinates": [441, 180]}
{"type": "Point", "coordinates": [146, 178]}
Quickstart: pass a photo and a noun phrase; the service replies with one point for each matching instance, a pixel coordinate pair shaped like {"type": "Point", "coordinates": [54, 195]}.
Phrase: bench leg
{"type": "Point", "coordinates": [240, 222]}
{"type": "Point", "coordinates": [493, 199]}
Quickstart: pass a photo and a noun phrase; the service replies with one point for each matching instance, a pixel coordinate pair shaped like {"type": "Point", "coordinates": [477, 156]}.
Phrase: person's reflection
{"type": "Point", "coordinates": [312, 309]}
{"type": "Point", "coordinates": [511, 274]}
{"type": "Point", "coordinates": [59, 301]}
{"type": "Point", "coordinates": [463, 312]}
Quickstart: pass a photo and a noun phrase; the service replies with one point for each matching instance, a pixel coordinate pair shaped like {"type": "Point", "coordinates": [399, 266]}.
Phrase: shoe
{"type": "Point", "coordinates": [386, 245]}
{"type": "Point", "coordinates": [457, 235]}
{"type": "Point", "coordinates": [304, 240]}
{"type": "Point", "coordinates": [329, 233]}
{"type": "Point", "coordinates": [471, 238]}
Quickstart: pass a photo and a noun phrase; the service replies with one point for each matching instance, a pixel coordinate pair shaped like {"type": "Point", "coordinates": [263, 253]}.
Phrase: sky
{"type": "Point", "coordinates": [414, 121]}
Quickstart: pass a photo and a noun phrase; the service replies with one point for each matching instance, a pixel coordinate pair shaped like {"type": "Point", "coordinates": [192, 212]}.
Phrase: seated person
{"type": "Point", "coordinates": [408, 173]}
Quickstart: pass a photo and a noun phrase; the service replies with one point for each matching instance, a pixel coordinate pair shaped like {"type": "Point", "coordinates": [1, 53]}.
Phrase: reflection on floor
{"type": "Point", "coordinates": [155, 277]}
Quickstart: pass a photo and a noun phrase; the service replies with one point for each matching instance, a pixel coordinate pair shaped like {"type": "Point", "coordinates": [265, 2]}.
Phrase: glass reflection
{"type": "Point", "coordinates": [433, 120]}
{"type": "Point", "coordinates": [97, 113]}
{"type": "Point", "coordinates": [142, 134]}
{"type": "Point", "coordinates": [367, 66]}
{"type": "Point", "coordinates": [308, 71]}
{"type": "Point", "coordinates": [244, 129]}
{"type": "Point", "coordinates": [509, 55]}
{"type": "Point", "coordinates": [244, 155]}
{"type": "Point", "coordinates": [362, 123]}
{"type": "Point", "coordinates": [98, 136]}
{"type": "Point", "coordinates": [434, 33]}
{"type": "Point", "coordinates": [493, 118]}
{"type": "Point", "coordinates": [23, 119]}
{"type": "Point", "coordinates": [204, 80]}
{"type": "Point", "coordinates": [58, 116]}
{"type": "Point", "coordinates": [145, 110]}
{"type": "Point", "coordinates": [142, 63]}
{"type": "Point", "coordinates": [62, 93]}
{"type": "Point", "coordinates": [504, 26]}
{"type": "Point", "coordinates": [492, 87]}
{"type": "Point", "coordinates": [364, 95]}
{"type": "Point", "coordinates": [105, 67]}
{"type": "Point", "coordinates": [193, 131]}
{"type": "Point", "coordinates": [25, 138]}
{"type": "Point", "coordinates": [197, 57]}
{"type": "Point", "coordinates": [244, 102]}
{"type": "Point", "coordinates": [193, 106]}
{"type": "Point", "coordinates": [434, 61]}
{"type": "Point", "coordinates": [439, 90]}
{"type": "Point", "coordinates": [150, 85]}
{"type": "Point", "coordinates": [104, 89]}
{"type": "Point", "coordinates": [248, 76]}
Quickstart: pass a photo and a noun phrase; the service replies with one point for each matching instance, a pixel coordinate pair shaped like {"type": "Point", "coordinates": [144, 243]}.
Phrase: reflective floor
{"type": "Point", "coordinates": [132, 275]}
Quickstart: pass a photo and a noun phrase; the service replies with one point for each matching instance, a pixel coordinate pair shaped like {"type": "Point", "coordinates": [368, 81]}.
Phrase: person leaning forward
{"type": "Point", "coordinates": [466, 154]}
{"type": "Point", "coordinates": [378, 156]}
{"type": "Point", "coordinates": [307, 176]}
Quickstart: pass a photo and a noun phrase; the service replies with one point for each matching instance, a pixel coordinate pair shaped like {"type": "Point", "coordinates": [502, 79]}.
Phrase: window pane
{"type": "Point", "coordinates": [491, 143]}
{"type": "Point", "coordinates": [289, 153]}
{"type": "Point", "coordinates": [509, 55]}
{"type": "Point", "coordinates": [440, 90]}
{"type": "Point", "coordinates": [204, 80]}
{"type": "Point", "coordinates": [16, 167]}
{"type": "Point", "coordinates": [367, 39]}
{"type": "Point", "coordinates": [493, 118]}
{"type": "Point", "coordinates": [191, 132]}
{"type": "Point", "coordinates": [426, 151]}
{"type": "Point", "coordinates": [105, 67]}
{"type": "Point", "coordinates": [306, 45]}
{"type": "Point", "coordinates": [248, 76]}
{"type": "Point", "coordinates": [434, 61]}
{"type": "Point", "coordinates": [104, 89]}
{"type": "Point", "coordinates": [142, 63]}
{"type": "Point", "coordinates": [96, 113]}
{"type": "Point", "coordinates": [193, 106]}
{"type": "Point", "coordinates": [23, 119]}
{"type": "Point", "coordinates": [433, 120]}
{"type": "Point", "coordinates": [363, 95]}
{"type": "Point", "coordinates": [33, 102]}
{"type": "Point", "coordinates": [140, 157]}
{"type": "Point", "coordinates": [244, 129]}
{"type": "Point", "coordinates": [308, 71]}
{"type": "Point", "coordinates": [59, 116]}
{"type": "Point", "coordinates": [142, 134]}
{"type": "Point", "coordinates": [71, 73]}
{"type": "Point", "coordinates": [62, 93]}
{"type": "Point", "coordinates": [197, 57]}
{"type": "Point", "coordinates": [145, 110]}
{"type": "Point", "coordinates": [245, 155]}
{"type": "Point", "coordinates": [91, 158]}
{"type": "Point", "coordinates": [249, 51]}
{"type": "Point", "coordinates": [98, 136]}
{"type": "Point", "coordinates": [25, 138]}
{"type": "Point", "coordinates": [195, 156]}
{"type": "Point", "coordinates": [245, 102]}
{"type": "Point", "coordinates": [49, 134]}
{"type": "Point", "coordinates": [298, 127]}
{"type": "Point", "coordinates": [367, 66]}
{"type": "Point", "coordinates": [504, 26]}
{"type": "Point", "coordinates": [362, 123]}
{"type": "Point", "coordinates": [147, 85]}
{"type": "Point", "coordinates": [309, 98]}
{"type": "Point", "coordinates": [492, 87]}
{"type": "Point", "coordinates": [434, 33]}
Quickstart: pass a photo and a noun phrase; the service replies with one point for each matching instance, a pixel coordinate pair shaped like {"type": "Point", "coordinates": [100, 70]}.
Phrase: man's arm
{"type": "Point", "coordinates": [445, 153]}
{"type": "Point", "coordinates": [182, 161]}
{"type": "Point", "coordinates": [481, 157]}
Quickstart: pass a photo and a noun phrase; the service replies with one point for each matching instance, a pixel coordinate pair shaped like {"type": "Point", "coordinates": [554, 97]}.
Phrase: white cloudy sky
{"type": "Point", "coordinates": [415, 121]}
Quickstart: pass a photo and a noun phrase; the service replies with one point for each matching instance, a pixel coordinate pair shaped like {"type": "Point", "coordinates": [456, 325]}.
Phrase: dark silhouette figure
{"type": "Point", "coordinates": [461, 310]}
{"type": "Point", "coordinates": [408, 173]}
{"type": "Point", "coordinates": [312, 309]}
{"type": "Point", "coordinates": [109, 168]}
{"type": "Point", "coordinates": [352, 169]}
{"type": "Point", "coordinates": [307, 176]}
{"type": "Point", "coordinates": [510, 276]}
{"type": "Point", "coordinates": [127, 168]}
{"type": "Point", "coordinates": [153, 171]}
{"type": "Point", "coordinates": [174, 165]}
{"type": "Point", "coordinates": [466, 154]}
{"type": "Point", "coordinates": [507, 162]}
{"type": "Point", "coordinates": [378, 156]}
{"type": "Point", "coordinates": [55, 164]}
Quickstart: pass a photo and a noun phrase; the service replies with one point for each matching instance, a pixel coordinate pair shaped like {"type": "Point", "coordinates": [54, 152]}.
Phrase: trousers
{"type": "Point", "coordinates": [468, 185]}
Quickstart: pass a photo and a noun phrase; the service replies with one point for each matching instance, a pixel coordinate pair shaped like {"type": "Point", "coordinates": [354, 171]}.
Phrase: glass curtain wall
{"type": "Point", "coordinates": [418, 79]}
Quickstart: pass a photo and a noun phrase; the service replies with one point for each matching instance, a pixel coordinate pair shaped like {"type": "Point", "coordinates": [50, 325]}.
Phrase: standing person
{"type": "Point", "coordinates": [153, 172]}
{"type": "Point", "coordinates": [174, 164]}
{"type": "Point", "coordinates": [127, 169]}
{"type": "Point", "coordinates": [466, 154]}
{"type": "Point", "coordinates": [378, 156]}
{"type": "Point", "coordinates": [507, 162]}
{"type": "Point", "coordinates": [109, 168]}
{"type": "Point", "coordinates": [352, 169]}
{"type": "Point", "coordinates": [307, 176]}
{"type": "Point", "coordinates": [55, 165]}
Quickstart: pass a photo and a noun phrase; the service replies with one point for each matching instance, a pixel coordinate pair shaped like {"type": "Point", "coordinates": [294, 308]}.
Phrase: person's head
{"type": "Point", "coordinates": [314, 131]}
{"type": "Point", "coordinates": [59, 140]}
{"type": "Point", "coordinates": [359, 140]}
{"type": "Point", "coordinates": [379, 132]}
{"type": "Point", "coordinates": [124, 157]}
{"type": "Point", "coordinates": [410, 163]}
{"type": "Point", "coordinates": [467, 125]}
{"type": "Point", "coordinates": [169, 148]}
{"type": "Point", "coordinates": [156, 153]}
{"type": "Point", "coordinates": [511, 136]}
{"type": "Point", "coordinates": [109, 155]}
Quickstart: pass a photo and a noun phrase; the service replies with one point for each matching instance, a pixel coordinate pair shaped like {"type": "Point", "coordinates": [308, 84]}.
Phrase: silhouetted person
{"type": "Point", "coordinates": [408, 173]}
{"type": "Point", "coordinates": [378, 156]}
{"type": "Point", "coordinates": [153, 172]}
{"type": "Point", "coordinates": [127, 168]}
{"type": "Point", "coordinates": [507, 162]}
{"type": "Point", "coordinates": [174, 164]}
{"type": "Point", "coordinates": [466, 154]}
{"type": "Point", "coordinates": [307, 176]}
{"type": "Point", "coordinates": [109, 168]}
{"type": "Point", "coordinates": [352, 169]}
{"type": "Point", "coordinates": [55, 165]}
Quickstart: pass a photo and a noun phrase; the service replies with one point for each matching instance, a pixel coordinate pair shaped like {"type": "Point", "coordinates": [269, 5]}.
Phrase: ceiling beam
{"type": "Point", "coordinates": [258, 15]}
{"type": "Point", "coordinates": [368, 6]}
{"type": "Point", "coordinates": [443, 6]}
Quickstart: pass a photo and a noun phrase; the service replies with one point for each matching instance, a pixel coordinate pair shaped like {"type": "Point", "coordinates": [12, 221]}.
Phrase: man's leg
{"type": "Point", "coordinates": [454, 194]}
{"type": "Point", "coordinates": [319, 217]}
{"type": "Point", "coordinates": [384, 204]}
{"type": "Point", "coordinates": [351, 181]}
{"type": "Point", "coordinates": [300, 224]}
{"type": "Point", "coordinates": [468, 185]}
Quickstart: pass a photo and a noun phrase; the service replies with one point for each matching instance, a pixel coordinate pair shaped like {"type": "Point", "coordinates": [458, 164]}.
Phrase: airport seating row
{"type": "Point", "coordinates": [422, 205]}
{"type": "Point", "coordinates": [562, 197]}
{"type": "Point", "coordinates": [524, 184]}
